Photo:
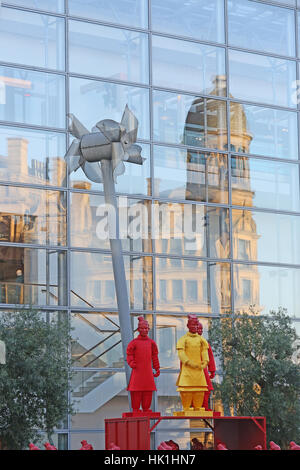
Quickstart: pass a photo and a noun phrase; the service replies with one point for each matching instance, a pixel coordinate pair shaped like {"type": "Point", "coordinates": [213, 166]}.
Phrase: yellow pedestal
{"type": "Point", "coordinates": [200, 413]}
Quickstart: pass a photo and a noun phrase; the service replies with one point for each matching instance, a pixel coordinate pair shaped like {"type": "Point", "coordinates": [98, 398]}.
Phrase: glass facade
{"type": "Point", "coordinates": [213, 87]}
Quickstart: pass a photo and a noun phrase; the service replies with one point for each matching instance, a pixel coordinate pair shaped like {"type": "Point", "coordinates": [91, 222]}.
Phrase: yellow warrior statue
{"type": "Point", "coordinates": [193, 354]}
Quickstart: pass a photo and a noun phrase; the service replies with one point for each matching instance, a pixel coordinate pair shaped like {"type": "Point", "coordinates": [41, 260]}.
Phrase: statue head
{"type": "Point", "coordinates": [143, 327]}
{"type": "Point", "coordinates": [200, 328]}
{"type": "Point", "coordinates": [192, 323]}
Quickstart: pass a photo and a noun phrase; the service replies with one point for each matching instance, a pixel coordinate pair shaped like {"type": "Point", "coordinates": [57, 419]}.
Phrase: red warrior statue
{"type": "Point", "coordinates": [209, 371]}
{"type": "Point", "coordinates": [142, 353]}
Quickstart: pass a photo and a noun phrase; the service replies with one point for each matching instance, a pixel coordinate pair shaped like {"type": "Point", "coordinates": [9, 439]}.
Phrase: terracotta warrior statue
{"type": "Point", "coordinates": [193, 354]}
{"type": "Point", "coordinates": [142, 355]}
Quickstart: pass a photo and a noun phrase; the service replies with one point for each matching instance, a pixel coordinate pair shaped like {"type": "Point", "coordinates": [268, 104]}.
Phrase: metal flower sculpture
{"type": "Point", "coordinates": [101, 154]}
{"type": "Point", "coordinates": [109, 140]}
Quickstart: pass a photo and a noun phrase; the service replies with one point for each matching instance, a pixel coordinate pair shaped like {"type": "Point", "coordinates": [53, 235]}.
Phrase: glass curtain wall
{"type": "Point", "coordinates": [212, 217]}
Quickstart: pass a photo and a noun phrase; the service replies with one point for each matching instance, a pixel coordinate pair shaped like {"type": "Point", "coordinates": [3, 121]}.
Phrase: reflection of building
{"type": "Point", "coordinates": [206, 181]}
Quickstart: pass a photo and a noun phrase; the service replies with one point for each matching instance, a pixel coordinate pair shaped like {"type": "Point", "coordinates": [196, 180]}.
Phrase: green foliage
{"type": "Point", "coordinates": [34, 381]}
{"type": "Point", "coordinates": [260, 377]}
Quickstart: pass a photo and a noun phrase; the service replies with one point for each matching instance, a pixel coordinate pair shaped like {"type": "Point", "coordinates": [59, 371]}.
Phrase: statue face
{"type": "Point", "coordinates": [200, 329]}
{"type": "Point", "coordinates": [193, 326]}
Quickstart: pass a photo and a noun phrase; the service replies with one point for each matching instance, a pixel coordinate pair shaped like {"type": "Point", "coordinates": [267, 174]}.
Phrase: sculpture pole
{"type": "Point", "coordinates": [118, 264]}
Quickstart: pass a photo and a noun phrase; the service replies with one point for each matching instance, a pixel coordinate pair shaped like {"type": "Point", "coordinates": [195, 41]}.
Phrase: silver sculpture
{"type": "Point", "coordinates": [101, 154]}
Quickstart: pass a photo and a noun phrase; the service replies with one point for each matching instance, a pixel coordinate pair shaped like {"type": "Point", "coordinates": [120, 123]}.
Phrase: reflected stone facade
{"type": "Point", "coordinates": [218, 126]}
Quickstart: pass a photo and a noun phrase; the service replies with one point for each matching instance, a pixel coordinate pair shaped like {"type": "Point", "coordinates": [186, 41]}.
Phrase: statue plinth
{"type": "Point", "coordinates": [141, 414]}
{"type": "Point", "coordinates": [200, 413]}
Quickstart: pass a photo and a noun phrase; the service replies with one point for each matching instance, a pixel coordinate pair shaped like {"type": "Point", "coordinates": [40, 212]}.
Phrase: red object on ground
{"type": "Point", "coordinates": [164, 446]}
{"type": "Point", "coordinates": [209, 371]}
{"type": "Point", "coordinates": [142, 353]}
{"type": "Point", "coordinates": [48, 446]}
{"type": "Point", "coordinates": [259, 447]}
{"type": "Point", "coordinates": [86, 445]}
{"type": "Point", "coordinates": [113, 446]}
{"type": "Point", "coordinates": [294, 446]}
{"type": "Point", "coordinates": [33, 447]}
{"type": "Point", "coordinates": [274, 446]}
{"type": "Point", "coordinates": [221, 446]}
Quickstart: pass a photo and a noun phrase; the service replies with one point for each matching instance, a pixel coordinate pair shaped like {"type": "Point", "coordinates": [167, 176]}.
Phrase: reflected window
{"type": "Point", "coordinates": [185, 229]}
{"type": "Point", "coordinates": [57, 6]}
{"type": "Point", "coordinates": [190, 174]}
{"type": "Point", "coordinates": [108, 52]}
{"type": "Point", "coordinates": [125, 12]}
{"type": "Point", "coordinates": [217, 276]}
{"type": "Point", "coordinates": [89, 217]}
{"type": "Point", "coordinates": [32, 216]}
{"type": "Point", "coordinates": [32, 276]}
{"type": "Point", "coordinates": [185, 65]}
{"type": "Point", "coordinates": [32, 39]}
{"type": "Point", "coordinates": [260, 78]}
{"type": "Point", "coordinates": [90, 100]}
{"type": "Point", "coordinates": [200, 20]}
{"type": "Point", "coordinates": [188, 120]}
{"type": "Point", "coordinates": [35, 157]}
{"type": "Point", "coordinates": [87, 267]}
{"type": "Point", "coordinates": [263, 131]}
{"type": "Point", "coordinates": [32, 97]}
{"type": "Point", "coordinates": [265, 183]}
{"type": "Point", "coordinates": [271, 237]}
{"type": "Point", "coordinates": [261, 27]}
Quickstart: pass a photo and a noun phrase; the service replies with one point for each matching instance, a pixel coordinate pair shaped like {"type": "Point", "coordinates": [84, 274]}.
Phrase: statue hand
{"type": "Point", "coordinates": [133, 365]}
{"type": "Point", "coordinates": [157, 373]}
{"type": "Point", "coordinates": [212, 375]}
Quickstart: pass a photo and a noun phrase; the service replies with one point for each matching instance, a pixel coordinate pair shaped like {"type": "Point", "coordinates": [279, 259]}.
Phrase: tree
{"type": "Point", "coordinates": [34, 381]}
{"type": "Point", "coordinates": [260, 376]}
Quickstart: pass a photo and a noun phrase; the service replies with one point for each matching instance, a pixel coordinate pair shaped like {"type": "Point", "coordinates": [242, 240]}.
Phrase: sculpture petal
{"type": "Point", "coordinates": [76, 128]}
{"type": "Point", "coordinates": [92, 171]}
{"type": "Point", "coordinates": [73, 156]}
{"type": "Point", "coordinates": [131, 124]}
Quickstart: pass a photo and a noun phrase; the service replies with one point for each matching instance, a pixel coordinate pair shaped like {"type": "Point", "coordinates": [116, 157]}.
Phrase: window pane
{"type": "Point", "coordinates": [213, 296]}
{"type": "Point", "coordinates": [97, 341]}
{"type": "Point", "coordinates": [185, 65]}
{"type": "Point", "coordinates": [201, 19]}
{"type": "Point", "coordinates": [30, 215]}
{"type": "Point", "coordinates": [92, 281]}
{"type": "Point", "coordinates": [32, 97]}
{"type": "Point", "coordinates": [89, 222]}
{"type": "Point", "coordinates": [34, 157]}
{"type": "Point", "coordinates": [265, 183]}
{"type": "Point", "coordinates": [185, 229]}
{"type": "Point", "coordinates": [93, 100]}
{"type": "Point", "coordinates": [108, 52]}
{"type": "Point", "coordinates": [57, 6]}
{"type": "Point", "coordinates": [261, 27]}
{"type": "Point", "coordinates": [190, 174]}
{"type": "Point", "coordinates": [127, 12]}
{"type": "Point", "coordinates": [263, 131]}
{"type": "Point", "coordinates": [271, 287]}
{"type": "Point", "coordinates": [271, 237]}
{"type": "Point", "coordinates": [262, 79]}
{"type": "Point", "coordinates": [135, 180]}
{"type": "Point", "coordinates": [189, 120]}
{"type": "Point", "coordinates": [32, 39]}
{"type": "Point", "coordinates": [32, 276]}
